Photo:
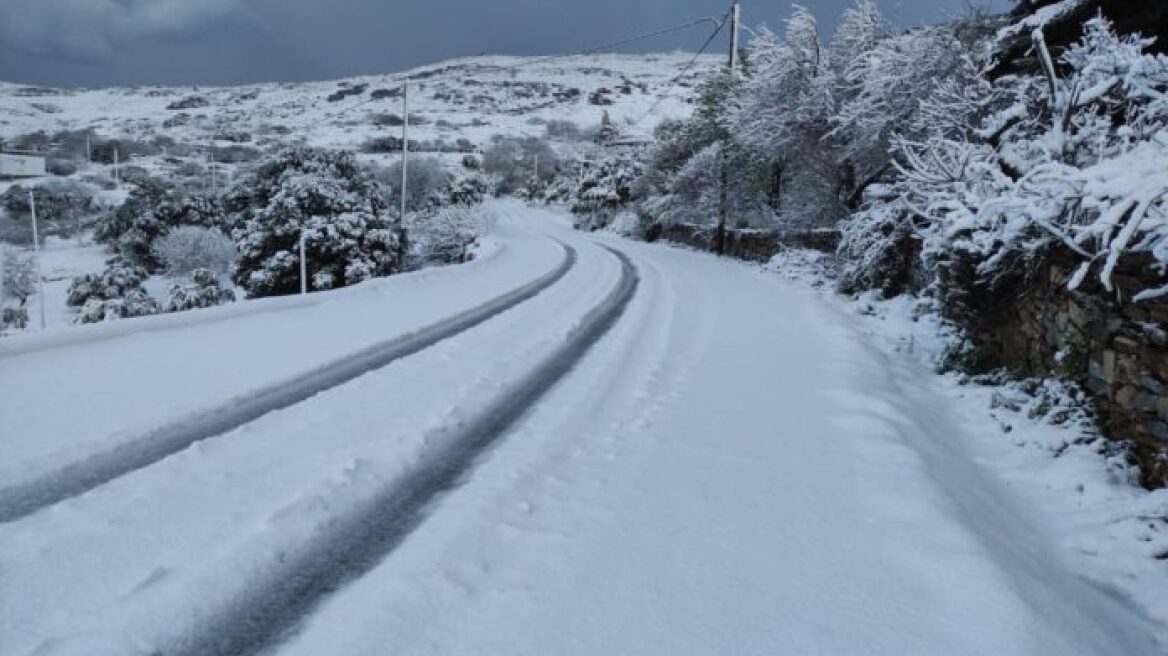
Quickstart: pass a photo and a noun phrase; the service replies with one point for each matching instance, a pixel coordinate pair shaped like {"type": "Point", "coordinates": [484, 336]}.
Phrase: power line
{"type": "Point", "coordinates": [685, 71]}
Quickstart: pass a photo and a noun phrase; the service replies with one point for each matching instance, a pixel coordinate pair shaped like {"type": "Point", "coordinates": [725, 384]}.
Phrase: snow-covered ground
{"type": "Point", "coordinates": [472, 98]}
{"type": "Point", "coordinates": [742, 465]}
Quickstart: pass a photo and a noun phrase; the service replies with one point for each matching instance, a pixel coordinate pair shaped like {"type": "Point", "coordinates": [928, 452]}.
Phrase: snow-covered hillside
{"type": "Point", "coordinates": [472, 98]}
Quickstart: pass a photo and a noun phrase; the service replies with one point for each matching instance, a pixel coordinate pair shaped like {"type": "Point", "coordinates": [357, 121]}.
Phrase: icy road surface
{"type": "Point", "coordinates": [730, 468]}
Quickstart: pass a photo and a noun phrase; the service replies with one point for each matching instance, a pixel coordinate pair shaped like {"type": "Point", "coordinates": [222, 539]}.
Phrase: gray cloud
{"type": "Point", "coordinates": [86, 29]}
{"type": "Point", "coordinates": [127, 42]}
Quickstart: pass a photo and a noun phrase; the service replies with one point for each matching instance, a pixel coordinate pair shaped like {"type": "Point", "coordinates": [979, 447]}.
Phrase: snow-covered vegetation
{"type": "Point", "coordinates": [176, 180]}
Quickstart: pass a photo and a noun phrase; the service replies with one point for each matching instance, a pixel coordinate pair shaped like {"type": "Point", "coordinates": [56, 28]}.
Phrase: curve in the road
{"type": "Point", "coordinates": [273, 605]}
{"type": "Point", "coordinates": [76, 478]}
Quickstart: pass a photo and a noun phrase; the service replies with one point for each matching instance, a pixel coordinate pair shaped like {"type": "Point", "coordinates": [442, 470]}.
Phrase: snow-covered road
{"type": "Point", "coordinates": [729, 469]}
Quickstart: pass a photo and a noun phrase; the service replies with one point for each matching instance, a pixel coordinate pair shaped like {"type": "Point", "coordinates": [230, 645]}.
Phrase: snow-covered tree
{"type": "Point", "coordinates": [1074, 159]}
{"type": "Point", "coordinates": [608, 132]}
{"type": "Point", "coordinates": [332, 201]}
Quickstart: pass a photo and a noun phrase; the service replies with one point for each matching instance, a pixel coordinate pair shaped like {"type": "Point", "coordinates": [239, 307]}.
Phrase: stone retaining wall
{"type": "Point", "coordinates": [1116, 349]}
{"type": "Point", "coordinates": [744, 244]}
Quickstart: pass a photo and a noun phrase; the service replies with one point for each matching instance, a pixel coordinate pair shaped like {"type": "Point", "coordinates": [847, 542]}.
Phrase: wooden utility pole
{"type": "Point", "coordinates": [735, 20]}
{"type": "Point", "coordinates": [36, 248]}
{"type": "Point", "coordinates": [405, 148]}
{"type": "Point", "coordinates": [720, 235]}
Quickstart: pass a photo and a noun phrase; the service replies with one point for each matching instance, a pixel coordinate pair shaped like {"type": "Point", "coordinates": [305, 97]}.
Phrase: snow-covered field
{"type": "Point", "coordinates": [741, 465]}
{"type": "Point", "coordinates": [473, 98]}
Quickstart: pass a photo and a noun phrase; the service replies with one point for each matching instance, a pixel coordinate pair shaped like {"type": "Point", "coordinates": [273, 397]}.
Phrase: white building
{"type": "Point", "coordinates": [21, 166]}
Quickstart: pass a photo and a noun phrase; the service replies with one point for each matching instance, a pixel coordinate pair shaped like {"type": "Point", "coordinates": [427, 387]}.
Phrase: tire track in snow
{"type": "Point", "coordinates": [266, 609]}
{"type": "Point", "coordinates": [76, 478]}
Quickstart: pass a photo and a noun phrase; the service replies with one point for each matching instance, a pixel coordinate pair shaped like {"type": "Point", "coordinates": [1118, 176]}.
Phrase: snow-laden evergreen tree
{"type": "Point", "coordinates": [608, 133]}
{"type": "Point", "coordinates": [329, 198]}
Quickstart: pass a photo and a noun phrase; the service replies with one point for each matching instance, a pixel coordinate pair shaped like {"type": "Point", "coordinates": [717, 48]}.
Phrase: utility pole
{"type": "Point", "coordinates": [720, 235]}
{"type": "Point", "coordinates": [735, 21]}
{"type": "Point", "coordinates": [303, 265]}
{"type": "Point", "coordinates": [211, 166]}
{"type": "Point", "coordinates": [537, 167]}
{"type": "Point", "coordinates": [88, 150]}
{"type": "Point", "coordinates": [405, 147]}
{"type": "Point", "coordinates": [36, 248]}
{"type": "Point", "coordinates": [117, 180]}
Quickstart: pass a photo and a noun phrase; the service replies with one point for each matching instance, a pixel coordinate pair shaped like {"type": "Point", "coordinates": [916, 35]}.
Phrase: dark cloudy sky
{"type": "Point", "coordinates": [124, 42]}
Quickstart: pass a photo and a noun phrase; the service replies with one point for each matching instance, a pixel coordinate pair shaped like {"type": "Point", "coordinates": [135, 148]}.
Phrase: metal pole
{"type": "Point", "coordinates": [735, 17]}
{"type": "Point", "coordinates": [405, 147]}
{"type": "Point", "coordinates": [36, 248]}
{"type": "Point", "coordinates": [303, 266]}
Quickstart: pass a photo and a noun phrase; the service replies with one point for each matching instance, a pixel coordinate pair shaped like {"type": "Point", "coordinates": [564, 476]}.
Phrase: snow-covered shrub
{"type": "Point", "coordinates": [19, 283]}
{"type": "Point", "coordinates": [189, 248]}
{"type": "Point", "coordinates": [63, 207]}
{"type": "Point", "coordinates": [136, 303]}
{"type": "Point", "coordinates": [512, 162]}
{"type": "Point", "coordinates": [120, 278]}
{"type": "Point", "coordinates": [878, 250]}
{"type": "Point", "coordinates": [606, 187]}
{"type": "Point", "coordinates": [116, 293]}
{"type": "Point", "coordinates": [467, 191]}
{"type": "Point", "coordinates": [427, 181]}
{"type": "Point", "coordinates": [446, 236]}
{"type": "Point", "coordinates": [332, 201]}
{"type": "Point", "coordinates": [1076, 160]}
{"type": "Point", "coordinates": [15, 318]}
{"type": "Point", "coordinates": [204, 290]}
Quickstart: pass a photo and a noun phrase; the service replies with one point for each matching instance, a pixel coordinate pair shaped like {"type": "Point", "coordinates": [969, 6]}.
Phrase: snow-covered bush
{"type": "Point", "coordinates": [1076, 160]}
{"type": "Point", "coordinates": [64, 208]}
{"type": "Point", "coordinates": [332, 201]}
{"type": "Point", "coordinates": [606, 186]}
{"type": "Point", "coordinates": [467, 191]}
{"type": "Point", "coordinates": [188, 248]}
{"type": "Point", "coordinates": [119, 278]}
{"type": "Point", "coordinates": [19, 282]}
{"type": "Point", "coordinates": [427, 181]}
{"type": "Point", "coordinates": [15, 318]}
{"type": "Point", "coordinates": [136, 303]}
{"type": "Point", "coordinates": [446, 236]}
{"type": "Point", "coordinates": [204, 290]}
{"type": "Point", "coordinates": [116, 293]}
{"type": "Point", "coordinates": [512, 162]}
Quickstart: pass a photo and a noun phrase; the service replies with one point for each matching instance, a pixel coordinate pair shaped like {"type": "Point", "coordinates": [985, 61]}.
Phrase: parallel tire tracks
{"type": "Point", "coordinates": [264, 610]}
{"type": "Point", "coordinates": [78, 477]}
